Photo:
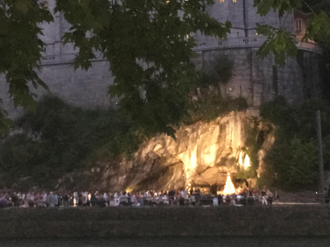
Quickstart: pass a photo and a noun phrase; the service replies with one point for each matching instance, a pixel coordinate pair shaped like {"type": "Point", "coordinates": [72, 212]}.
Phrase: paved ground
{"type": "Point", "coordinates": [173, 242]}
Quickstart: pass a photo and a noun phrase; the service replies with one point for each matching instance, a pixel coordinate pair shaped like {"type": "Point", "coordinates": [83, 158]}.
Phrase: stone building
{"type": "Point", "coordinates": [258, 80]}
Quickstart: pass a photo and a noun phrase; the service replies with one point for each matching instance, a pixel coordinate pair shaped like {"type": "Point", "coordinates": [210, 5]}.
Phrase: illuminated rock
{"type": "Point", "coordinates": [202, 154]}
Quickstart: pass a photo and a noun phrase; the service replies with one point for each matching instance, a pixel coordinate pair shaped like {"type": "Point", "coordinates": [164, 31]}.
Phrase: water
{"type": "Point", "coordinates": [172, 242]}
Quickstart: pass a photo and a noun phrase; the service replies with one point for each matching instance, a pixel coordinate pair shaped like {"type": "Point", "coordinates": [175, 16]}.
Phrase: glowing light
{"type": "Point", "coordinates": [229, 187]}
{"type": "Point", "coordinates": [240, 159]}
{"type": "Point", "coordinates": [193, 159]}
{"type": "Point", "coordinates": [247, 163]}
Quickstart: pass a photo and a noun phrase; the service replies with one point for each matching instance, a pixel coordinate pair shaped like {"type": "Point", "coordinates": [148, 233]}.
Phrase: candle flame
{"type": "Point", "coordinates": [229, 187]}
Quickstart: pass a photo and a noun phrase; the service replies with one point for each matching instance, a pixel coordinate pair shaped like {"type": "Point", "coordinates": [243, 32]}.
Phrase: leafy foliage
{"type": "Point", "coordinates": [21, 47]}
{"type": "Point", "coordinates": [318, 27]}
{"type": "Point", "coordinates": [149, 48]}
{"type": "Point", "coordinates": [280, 43]}
{"type": "Point", "coordinates": [292, 160]}
{"type": "Point", "coordinates": [294, 164]}
{"type": "Point", "coordinates": [264, 6]}
{"type": "Point", "coordinates": [5, 123]}
{"type": "Point", "coordinates": [147, 43]}
{"type": "Point", "coordinates": [69, 139]}
{"type": "Point", "coordinates": [211, 105]}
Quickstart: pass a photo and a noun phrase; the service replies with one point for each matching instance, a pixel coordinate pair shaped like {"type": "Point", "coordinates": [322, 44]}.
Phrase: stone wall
{"type": "Point", "coordinates": [252, 221]}
{"type": "Point", "coordinates": [260, 80]}
{"type": "Point", "coordinates": [86, 89]}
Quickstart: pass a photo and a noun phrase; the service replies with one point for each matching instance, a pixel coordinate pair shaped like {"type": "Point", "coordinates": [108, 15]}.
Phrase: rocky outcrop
{"type": "Point", "coordinates": [202, 154]}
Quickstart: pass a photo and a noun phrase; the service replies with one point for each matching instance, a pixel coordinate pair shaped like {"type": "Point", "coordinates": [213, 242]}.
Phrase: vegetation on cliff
{"type": "Point", "coordinates": [58, 139]}
{"type": "Point", "coordinates": [292, 160]}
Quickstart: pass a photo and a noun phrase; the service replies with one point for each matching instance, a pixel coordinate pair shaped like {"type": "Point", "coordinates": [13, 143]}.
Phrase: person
{"type": "Point", "coordinates": [181, 199]}
{"type": "Point", "coordinates": [191, 191]}
{"type": "Point", "coordinates": [106, 198]}
{"type": "Point", "coordinates": [123, 199]}
{"type": "Point", "coordinates": [80, 203]}
{"type": "Point", "coordinates": [264, 198]}
{"type": "Point", "coordinates": [197, 196]}
{"type": "Point", "coordinates": [14, 200]}
{"type": "Point", "coordinates": [171, 194]}
{"type": "Point", "coordinates": [50, 200]}
{"type": "Point", "coordinates": [3, 202]}
{"type": "Point", "coordinates": [250, 199]}
{"type": "Point", "coordinates": [269, 197]}
{"type": "Point", "coordinates": [85, 201]}
{"type": "Point", "coordinates": [215, 201]}
{"type": "Point", "coordinates": [182, 193]}
{"type": "Point", "coordinates": [116, 198]}
{"type": "Point", "coordinates": [30, 199]}
{"type": "Point", "coordinates": [220, 199]}
{"type": "Point", "coordinates": [56, 200]}
{"type": "Point", "coordinates": [75, 198]}
{"type": "Point", "coordinates": [101, 202]}
{"type": "Point", "coordinates": [94, 200]}
{"type": "Point", "coordinates": [134, 200]}
{"type": "Point", "coordinates": [66, 200]}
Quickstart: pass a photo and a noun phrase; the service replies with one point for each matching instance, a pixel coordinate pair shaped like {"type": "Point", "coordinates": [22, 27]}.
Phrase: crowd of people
{"type": "Point", "coordinates": [146, 198]}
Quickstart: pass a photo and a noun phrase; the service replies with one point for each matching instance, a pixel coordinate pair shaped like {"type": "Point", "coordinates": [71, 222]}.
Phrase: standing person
{"type": "Point", "coordinates": [134, 200]}
{"type": "Point", "coordinates": [101, 202]}
{"type": "Point", "coordinates": [171, 194]}
{"type": "Point", "coordinates": [197, 196]}
{"type": "Point", "coordinates": [24, 200]}
{"type": "Point", "coordinates": [85, 200]}
{"type": "Point", "coordinates": [14, 200]}
{"type": "Point", "coordinates": [123, 199]}
{"type": "Point", "coordinates": [66, 200]}
{"type": "Point", "coordinates": [264, 198]}
{"type": "Point", "coordinates": [50, 200]}
{"type": "Point", "coordinates": [56, 200]}
{"type": "Point", "coordinates": [94, 200]}
{"type": "Point", "coordinates": [116, 198]}
{"type": "Point", "coordinates": [269, 197]}
{"type": "Point", "coordinates": [30, 199]}
{"type": "Point", "coordinates": [106, 199]}
{"type": "Point", "coordinates": [75, 198]}
{"type": "Point", "coordinates": [89, 198]}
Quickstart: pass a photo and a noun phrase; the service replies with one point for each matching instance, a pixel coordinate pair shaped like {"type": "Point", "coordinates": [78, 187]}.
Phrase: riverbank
{"type": "Point", "coordinates": [223, 221]}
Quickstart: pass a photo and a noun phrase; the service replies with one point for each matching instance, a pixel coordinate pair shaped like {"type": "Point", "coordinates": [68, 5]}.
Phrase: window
{"type": "Point", "coordinates": [222, 1]}
{"type": "Point", "coordinates": [234, 1]}
{"type": "Point", "coordinates": [298, 25]}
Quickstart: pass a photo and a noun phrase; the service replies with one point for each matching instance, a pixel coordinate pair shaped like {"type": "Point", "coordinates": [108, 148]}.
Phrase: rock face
{"type": "Point", "coordinates": [202, 154]}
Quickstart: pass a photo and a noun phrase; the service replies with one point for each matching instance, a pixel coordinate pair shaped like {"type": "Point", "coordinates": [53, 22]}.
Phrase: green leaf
{"type": "Point", "coordinates": [279, 43]}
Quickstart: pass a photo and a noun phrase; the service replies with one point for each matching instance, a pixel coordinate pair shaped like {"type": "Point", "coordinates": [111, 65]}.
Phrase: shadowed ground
{"type": "Point", "coordinates": [169, 242]}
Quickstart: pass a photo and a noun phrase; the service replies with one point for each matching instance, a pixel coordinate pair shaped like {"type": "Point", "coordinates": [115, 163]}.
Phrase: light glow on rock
{"type": "Point", "coordinates": [229, 187]}
{"type": "Point", "coordinates": [247, 163]}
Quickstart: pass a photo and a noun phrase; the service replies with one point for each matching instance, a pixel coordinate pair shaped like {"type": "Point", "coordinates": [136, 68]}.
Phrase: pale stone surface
{"type": "Point", "coordinates": [202, 154]}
